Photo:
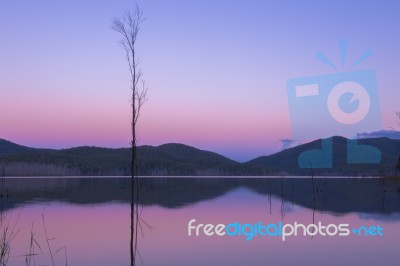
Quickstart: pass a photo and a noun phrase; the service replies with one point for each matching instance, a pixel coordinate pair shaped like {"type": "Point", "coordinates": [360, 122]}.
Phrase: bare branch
{"type": "Point", "coordinates": [141, 96]}
{"type": "Point", "coordinates": [128, 27]}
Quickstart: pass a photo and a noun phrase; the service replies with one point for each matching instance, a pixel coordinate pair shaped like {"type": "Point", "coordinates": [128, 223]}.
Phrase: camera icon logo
{"type": "Point", "coordinates": [358, 94]}
{"type": "Point", "coordinates": [344, 104]}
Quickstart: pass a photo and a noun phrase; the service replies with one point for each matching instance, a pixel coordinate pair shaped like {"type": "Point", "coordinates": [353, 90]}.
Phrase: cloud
{"type": "Point", "coordinates": [380, 134]}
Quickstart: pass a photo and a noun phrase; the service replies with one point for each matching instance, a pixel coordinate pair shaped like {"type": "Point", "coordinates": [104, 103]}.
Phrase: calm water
{"type": "Point", "coordinates": [87, 221]}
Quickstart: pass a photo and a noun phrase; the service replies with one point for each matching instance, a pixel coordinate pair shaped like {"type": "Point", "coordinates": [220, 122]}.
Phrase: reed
{"type": "Point", "coordinates": [8, 230]}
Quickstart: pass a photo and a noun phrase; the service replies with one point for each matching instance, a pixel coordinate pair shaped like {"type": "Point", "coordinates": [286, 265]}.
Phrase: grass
{"type": "Point", "coordinates": [34, 246]}
{"type": "Point", "coordinates": [8, 232]}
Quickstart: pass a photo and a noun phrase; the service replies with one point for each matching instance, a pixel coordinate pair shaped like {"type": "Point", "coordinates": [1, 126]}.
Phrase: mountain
{"type": "Point", "coordinates": [9, 148]}
{"type": "Point", "coordinates": [171, 159]}
{"type": "Point", "coordinates": [182, 160]}
{"type": "Point", "coordinates": [167, 159]}
{"type": "Point", "coordinates": [286, 163]}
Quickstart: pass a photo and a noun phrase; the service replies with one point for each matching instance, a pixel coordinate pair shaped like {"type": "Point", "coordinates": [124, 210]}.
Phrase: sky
{"type": "Point", "coordinates": [216, 71]}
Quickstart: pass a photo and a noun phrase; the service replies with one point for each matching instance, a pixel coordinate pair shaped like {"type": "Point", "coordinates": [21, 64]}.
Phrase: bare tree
{"type": "Point", "coordinates": [128, 27]}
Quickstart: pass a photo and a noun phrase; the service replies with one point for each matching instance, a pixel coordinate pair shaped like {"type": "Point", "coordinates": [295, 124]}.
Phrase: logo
{"type": "Point", "coordinates": [280, 230]}
{"type": "Point", "coordinates": [344, 103]}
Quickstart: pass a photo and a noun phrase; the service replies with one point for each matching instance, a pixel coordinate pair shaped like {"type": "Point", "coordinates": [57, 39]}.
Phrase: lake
{"type": "Point", "coordinates": [86, 221]}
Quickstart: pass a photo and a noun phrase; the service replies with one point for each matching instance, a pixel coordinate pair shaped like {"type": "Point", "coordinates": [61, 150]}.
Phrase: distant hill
{"type": "Point", "coordinates": [183, 160]}
{"type": "Point", "coordinates": [167, 159]}
{"type": "Point", "coordinates": [286, 161]}
{"type": "Point", "coordinates": [9, 148]}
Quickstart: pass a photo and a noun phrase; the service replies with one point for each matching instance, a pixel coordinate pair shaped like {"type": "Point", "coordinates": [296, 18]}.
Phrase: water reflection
{"type": "Point", "coordinates": [91, 218]}
{"type": "Point", "coordinates": [369, 195]}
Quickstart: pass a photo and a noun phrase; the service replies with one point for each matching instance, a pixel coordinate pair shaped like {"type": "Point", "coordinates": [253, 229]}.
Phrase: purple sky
{"type": "Point", "coordinates": [216, 70]}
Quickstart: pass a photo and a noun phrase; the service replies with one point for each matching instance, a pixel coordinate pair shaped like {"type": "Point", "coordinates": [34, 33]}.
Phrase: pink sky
{"type": "Point", "coordinates": [215, 82]}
